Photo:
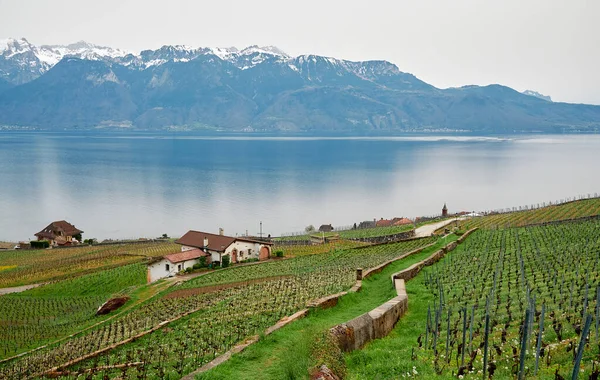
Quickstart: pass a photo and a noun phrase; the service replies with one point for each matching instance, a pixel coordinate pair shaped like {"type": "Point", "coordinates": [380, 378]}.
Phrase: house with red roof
{"type": "Point", "coordinates": [195, 244]}
{"type": "Point", "coordinates": [60, 233]}
{"type": "Point", "coordinates": [237, 248]}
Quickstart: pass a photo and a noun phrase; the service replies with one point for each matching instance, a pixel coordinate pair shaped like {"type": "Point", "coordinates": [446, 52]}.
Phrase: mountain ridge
{"type": "Point", "coordinates": [253, 89]}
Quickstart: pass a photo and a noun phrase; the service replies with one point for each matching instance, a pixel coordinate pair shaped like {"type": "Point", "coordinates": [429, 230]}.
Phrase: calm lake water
{"type": "Point", "coordinates": [115, 185]}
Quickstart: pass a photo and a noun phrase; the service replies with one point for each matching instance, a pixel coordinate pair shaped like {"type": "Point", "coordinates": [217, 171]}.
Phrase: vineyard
{"type": "Point", "coordinates": [47, 313]}
{"type": "Point", "coordinates": [301, 250]}
{"type": "Point", "coordinates": [571, 210]}
{"type": "Point", "coordinates": [207, 323]}
{"type": "Point", "coordinates": [508, 303]}
{"type": "Point", "coordinates": [33, 266]}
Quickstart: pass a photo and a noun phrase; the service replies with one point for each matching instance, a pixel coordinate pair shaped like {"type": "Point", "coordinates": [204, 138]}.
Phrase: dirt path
{"type": "Point", "coordinates": [18, 289]}
{"type": "Point", "coordinates": [428, 229]}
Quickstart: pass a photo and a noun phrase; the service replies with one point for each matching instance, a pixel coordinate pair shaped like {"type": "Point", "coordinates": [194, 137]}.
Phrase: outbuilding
{"type": "Point", "coordinates": [170, 265]}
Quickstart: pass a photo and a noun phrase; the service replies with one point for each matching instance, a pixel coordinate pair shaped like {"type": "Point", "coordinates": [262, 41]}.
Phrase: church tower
{"type": "Point", "coordinates": [444, 211]}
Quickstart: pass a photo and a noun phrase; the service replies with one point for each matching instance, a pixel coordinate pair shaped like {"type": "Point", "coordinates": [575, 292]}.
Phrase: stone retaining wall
{"type": "Point", "coordinates": [375, 324]}
{"type": "Point", "coordinates": [378, 323]}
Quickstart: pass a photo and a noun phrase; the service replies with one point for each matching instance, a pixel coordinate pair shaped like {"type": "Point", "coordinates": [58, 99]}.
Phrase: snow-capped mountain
{"type": "Point", "coordinates": [83, 86]}
{"type": "Point", "coordinates": [21, 61]}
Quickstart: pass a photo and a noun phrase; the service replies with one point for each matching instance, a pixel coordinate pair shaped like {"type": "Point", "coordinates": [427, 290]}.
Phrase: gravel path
{"type": "Point", "coordinates": [428, 229]}
{"type": "Point", "coordinates": [18, 289]}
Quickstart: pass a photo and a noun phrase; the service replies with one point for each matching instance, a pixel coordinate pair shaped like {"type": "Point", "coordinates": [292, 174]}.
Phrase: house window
{"type": "Point", "coordinates": [249, 252]}
{"type": "Point", "coordinates": [167, 267]}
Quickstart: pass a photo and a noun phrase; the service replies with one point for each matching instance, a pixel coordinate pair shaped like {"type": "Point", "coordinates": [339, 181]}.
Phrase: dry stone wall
{"type": "Point", "coordinates": [378, 323]}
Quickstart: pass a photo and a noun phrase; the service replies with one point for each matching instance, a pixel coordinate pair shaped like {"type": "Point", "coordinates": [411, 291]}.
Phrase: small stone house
{"type": "Point", "coordinates": [170, 265]}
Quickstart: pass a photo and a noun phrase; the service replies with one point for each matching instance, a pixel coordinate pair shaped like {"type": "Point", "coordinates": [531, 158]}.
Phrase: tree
{"type": "Point", "coordinates": [225, 261]}
{"type": "Point", "coordinates": [165, 236]}
{"type": "Point", "coordinates": [309, 229]}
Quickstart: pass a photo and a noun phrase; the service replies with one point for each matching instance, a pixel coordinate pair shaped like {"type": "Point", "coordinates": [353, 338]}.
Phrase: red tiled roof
{"type": "Point", "coordinates": [61, 225]}
{"type": "Point", "coordinates": [383, 223]}
{"type": "Point", "coordinates": [184, 256]}
{"type": "Point", "coordinates": [217, 243]}
{"type": "Point", "coordinates": [402, 222]}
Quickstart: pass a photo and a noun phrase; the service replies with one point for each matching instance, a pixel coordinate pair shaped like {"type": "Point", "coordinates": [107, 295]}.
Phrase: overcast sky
{"type": "Point", "coordinates": [545, 45]}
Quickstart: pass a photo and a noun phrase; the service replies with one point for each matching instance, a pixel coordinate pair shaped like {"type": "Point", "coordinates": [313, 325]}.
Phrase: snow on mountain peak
{"type": "Point", "coordinates": [14, 46]}
{"type": "Point", "coordinates": [270, 50]}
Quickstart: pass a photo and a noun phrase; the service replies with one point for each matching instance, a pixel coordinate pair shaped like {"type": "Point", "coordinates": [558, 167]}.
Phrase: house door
{"type": "Point", "coordinates": [264, 253]}
{"type": "Point", "coordinates": [234, 256]}
{"type": "Point", "coordinates": [179, 268]}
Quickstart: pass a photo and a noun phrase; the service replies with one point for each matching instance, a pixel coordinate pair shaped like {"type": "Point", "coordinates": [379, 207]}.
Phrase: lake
{"type": "Point", "coordinates": [126, 185]}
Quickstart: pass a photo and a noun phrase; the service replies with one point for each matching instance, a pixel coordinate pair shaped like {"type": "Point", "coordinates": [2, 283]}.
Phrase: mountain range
{"type": "Point", "coordinates": [85, 86]}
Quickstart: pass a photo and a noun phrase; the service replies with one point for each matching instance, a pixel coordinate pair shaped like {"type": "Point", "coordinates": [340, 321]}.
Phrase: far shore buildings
{"type": "Point", "coordinates": [60, 233]}
{"type": "Point", "coordinates": [196, 244]}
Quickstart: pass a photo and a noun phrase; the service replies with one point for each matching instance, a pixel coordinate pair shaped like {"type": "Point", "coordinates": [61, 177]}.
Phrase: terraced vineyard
{"type": "Point", "coordinates": [211, 322]}
{"type": "Point", "coordinates": [508, 303]}
{"type": "Point", "coordinates": [571, 210]}
{"type": "Point", "coordinates": [301, 250]}
{"type": "Point", "coordinates": [50, 312]}
{"type": "Point", "coordinates": [33, 266]}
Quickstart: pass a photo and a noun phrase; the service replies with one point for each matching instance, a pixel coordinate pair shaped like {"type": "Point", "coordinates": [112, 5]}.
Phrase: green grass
{"type": "Point", "coordinates": [50, 312]}
{"type": "Point", "coordinates": [288, 353]}
{"type": "Point", "coordinates": [390, 357]}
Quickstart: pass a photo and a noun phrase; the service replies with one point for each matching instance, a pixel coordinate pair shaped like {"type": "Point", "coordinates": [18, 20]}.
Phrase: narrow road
{"type": "Point", "coordinates": [18, 289]}
{"type": "Point", "coordinates": [428, 229]}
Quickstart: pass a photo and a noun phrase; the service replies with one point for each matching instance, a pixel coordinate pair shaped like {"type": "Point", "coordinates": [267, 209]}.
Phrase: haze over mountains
{"type": "Point", "coordinates": [84, 86]}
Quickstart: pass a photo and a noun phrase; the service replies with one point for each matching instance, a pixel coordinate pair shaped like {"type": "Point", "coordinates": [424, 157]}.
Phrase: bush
{"type": "Point", "coordinates": [197, 266]}
{"type": "Point", "coordinates": [202, 261]}
{"type": "Point", "coordinates": [40, 244]}
{"type": "Point", "coordinates": [225, 261]}
{"type": "Point", "coordinates": [279, 253]}
{"type": "Point", "coordinates": [188, 270]}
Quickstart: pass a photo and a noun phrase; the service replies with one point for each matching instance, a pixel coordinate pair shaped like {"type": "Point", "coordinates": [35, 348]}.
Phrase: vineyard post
{"type": "Point", "coordinates": [485, 343]}
{"type": "Point", "coordinates": [448, 335]}
{"type": "Point", "coordinates": [597, 310]}
{"type": "Point", "coordinates": [464, 337]}
{"type": "Point", "coordinates": [471, 329]}
{"type": "Point", "coordinates": [584, 333]}
{"type": "Point", "coordinates": [524, 345]}
{"type": "Point", "coordinates": [539, 339]}
{"type": "Point", "coordinates": [428, 325]}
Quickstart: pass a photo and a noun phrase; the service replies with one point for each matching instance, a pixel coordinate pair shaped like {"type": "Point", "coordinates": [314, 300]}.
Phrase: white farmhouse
{"type": "Point", "coordinates": [170, 265]}
{"type": "Point", "coordinates": [237, 248]}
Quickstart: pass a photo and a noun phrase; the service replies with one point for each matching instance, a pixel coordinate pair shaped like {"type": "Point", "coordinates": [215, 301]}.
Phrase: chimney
{"type": "Point", "coordinates": [205, 242]}
{"type": "Point", "coordinates": [221, 231]}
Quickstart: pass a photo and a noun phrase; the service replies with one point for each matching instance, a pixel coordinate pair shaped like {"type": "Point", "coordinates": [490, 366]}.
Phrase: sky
{"type": "Point", "coordinates": [550, 46]}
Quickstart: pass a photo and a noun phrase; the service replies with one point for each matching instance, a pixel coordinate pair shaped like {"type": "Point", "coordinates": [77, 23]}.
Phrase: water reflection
{"type": "Point", "coordinates": [117, 185]}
